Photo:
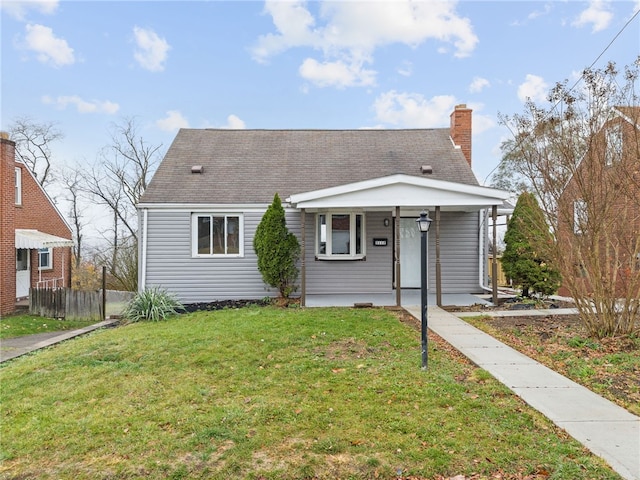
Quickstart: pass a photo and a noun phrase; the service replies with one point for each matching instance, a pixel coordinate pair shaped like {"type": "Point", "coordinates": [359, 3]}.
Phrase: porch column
{"type": "Point", "coordinates": [438, 271]}
{"type": "Point", "coordinates": [396, 258]}
{"type": "Point", "coordinates": [303, 261]}
{"type": "Point", "coordinates": [494, 261]}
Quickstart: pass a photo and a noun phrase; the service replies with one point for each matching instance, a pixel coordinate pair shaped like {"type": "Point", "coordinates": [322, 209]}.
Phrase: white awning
{"type": "Point", "coordinates": [36, 239]}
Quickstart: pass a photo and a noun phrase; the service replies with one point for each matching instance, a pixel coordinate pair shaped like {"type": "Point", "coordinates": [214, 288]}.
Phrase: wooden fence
{"type": "Point", "coordinates": [503, 281]}
{"type": "Point", "coordinates": [65, 303]}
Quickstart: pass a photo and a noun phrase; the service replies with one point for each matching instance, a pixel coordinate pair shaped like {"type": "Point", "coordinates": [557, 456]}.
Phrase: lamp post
{"type": "Point", "coordinates": [424, 222]}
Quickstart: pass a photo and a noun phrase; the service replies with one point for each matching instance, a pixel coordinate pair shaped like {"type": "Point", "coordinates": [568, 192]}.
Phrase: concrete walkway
{"type": "Point", "coordinates": [607, 430]}
{"type": "Point", "coordinates": [14, 347]}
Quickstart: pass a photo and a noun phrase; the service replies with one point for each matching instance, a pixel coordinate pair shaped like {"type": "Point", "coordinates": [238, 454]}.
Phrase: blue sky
{"type": "Point", "coordinates": [84, 65]}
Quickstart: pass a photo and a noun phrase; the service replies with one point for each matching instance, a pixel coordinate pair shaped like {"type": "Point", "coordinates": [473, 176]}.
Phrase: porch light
{"type": "Point", "coordinates": [424, 222]}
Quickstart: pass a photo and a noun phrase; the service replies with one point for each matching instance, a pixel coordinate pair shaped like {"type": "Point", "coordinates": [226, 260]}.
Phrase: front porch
{"type": "Point", "coordinates": [409, 298]}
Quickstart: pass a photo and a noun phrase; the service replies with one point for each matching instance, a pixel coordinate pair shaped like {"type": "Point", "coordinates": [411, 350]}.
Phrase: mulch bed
{"type": "Point", "coordinates": [224, 304]}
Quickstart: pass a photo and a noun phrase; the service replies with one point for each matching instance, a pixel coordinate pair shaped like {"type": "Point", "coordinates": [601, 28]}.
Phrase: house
{"type": "Point", "coordinates": [35, 240]}
{"type": "Point", "coordinates": [599, 209]}
{"type": "Point", "coordinates": [351, 196]}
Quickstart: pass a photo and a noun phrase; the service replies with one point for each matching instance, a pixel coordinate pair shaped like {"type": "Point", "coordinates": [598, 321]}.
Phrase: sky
{"type": "Point", "coordinates": [86, 66]}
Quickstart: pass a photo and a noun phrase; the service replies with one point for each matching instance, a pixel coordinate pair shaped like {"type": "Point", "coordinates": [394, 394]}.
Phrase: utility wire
{"type": "Point", "coordinates": [575, 84]}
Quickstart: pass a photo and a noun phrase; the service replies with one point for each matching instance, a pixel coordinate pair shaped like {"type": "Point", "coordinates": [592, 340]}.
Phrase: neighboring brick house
{"type": "Point", "coordinates": [604, 193]}
{"type": "Point", "coordinates": [35, 240]}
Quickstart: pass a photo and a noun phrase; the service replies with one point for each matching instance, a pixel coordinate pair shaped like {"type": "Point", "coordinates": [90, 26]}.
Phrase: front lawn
{"type": "Point", "coordinates": [268, 393]}
{"type": "Point", "coordinates": [19, 325]}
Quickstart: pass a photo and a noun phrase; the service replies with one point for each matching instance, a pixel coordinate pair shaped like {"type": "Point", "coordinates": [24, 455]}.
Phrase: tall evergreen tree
{"type": "Point", "coordinates": [527, 240]}
{"type": "Point", "coordinates": [277, 250]}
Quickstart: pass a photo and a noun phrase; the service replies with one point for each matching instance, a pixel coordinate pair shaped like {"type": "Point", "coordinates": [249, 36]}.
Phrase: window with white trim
{"type": "Point", "coordinates": [340, 236]}
{"type": "Point", "coordinates": [217, 235]}
{"type": "Point", "coordinates": [613, 152]}
{"type": "Point", "coordinates": [45, 259]}
{"type": "Point", "coordinates": [580, 216]}
{"type": "Point", "coordinates": [18, 186]}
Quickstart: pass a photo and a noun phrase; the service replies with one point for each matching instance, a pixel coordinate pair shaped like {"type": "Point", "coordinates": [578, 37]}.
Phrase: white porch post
{"type": "Point", "coordinates": [303, 254]}
{"type": "Point", "coordinates": [396, 248]}
{"type": "Point", "coordinates": [438, 267]}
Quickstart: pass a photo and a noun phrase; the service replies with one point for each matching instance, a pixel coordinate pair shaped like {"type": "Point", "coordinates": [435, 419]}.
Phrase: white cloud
{"type": "Point", "coordinates": [478, 84]}
{"type": "Point", "coordinates": [172, 122]}
{"type": "Point", "coordinates": [407, 68]}
{"type": "Point", "coordinates": [546, 10]}
{"type": "Point", "coordinates": [412, 110]}
{"type": "Point", "coordinates": [151, 52]}
{"type": "Point", "coordinates": [82, 106]}
{"type": "Point", "coordinates": [480, 123]}
{"type": "Point", "coordinates": [352, 30]}
{"type": "Point", "coordinates": [18, 9]}
{"type": "Point", "coordinates": [337, 74]}
{"type": "Point", "coordinates": [49, 48]}
{"type": "Point", "coordinates": [598, 14]}
{"type": "Point", "coordinates": [235, 123]}
{"type": "Point", "coordinates": [533, 88]}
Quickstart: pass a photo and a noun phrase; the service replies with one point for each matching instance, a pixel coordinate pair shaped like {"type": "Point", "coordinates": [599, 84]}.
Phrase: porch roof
{"type": "Point", "coordinates": [402, 191]}
{"type": "Point", "coordinates": [36, 239]}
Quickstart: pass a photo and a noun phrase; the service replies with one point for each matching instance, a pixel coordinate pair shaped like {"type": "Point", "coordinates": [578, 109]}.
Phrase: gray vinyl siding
{"type": "Point", "coordinates": [373, 275]}
{"type": "Point", "coordinates": [459, 252]}
{"type": "Point", "coordinates": [170, 263]}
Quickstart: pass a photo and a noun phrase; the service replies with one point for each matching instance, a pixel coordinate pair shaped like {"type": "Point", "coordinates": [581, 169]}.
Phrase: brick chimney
{"type": "Point", "coordinates": [461, 129]}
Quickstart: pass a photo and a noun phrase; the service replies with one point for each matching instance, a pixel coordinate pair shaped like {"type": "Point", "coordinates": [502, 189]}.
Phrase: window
{"type": "Point", "coordinates": [45, 259]}
{"type": "Point", "coordinates": [613, 152]}
{"type": "Point", "coordinates": [340, 236]}
{"type": "Point", "coordinates": [217, 235]}
{"type": "Point", "coordinates": [580, 216]}
{"type": "Point", "coordinates": [18, 186]}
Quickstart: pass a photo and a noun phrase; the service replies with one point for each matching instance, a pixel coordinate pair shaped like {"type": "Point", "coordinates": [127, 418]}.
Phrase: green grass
{"type": "Point", "coordinates": [270, 393]}
{"type": "Point", "coordinates": [19, 325]}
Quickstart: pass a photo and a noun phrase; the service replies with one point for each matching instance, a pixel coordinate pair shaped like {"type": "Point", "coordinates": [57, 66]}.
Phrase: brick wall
{"type": "Point", "coordinates": [7, 219]}
{"type": "Point", "coordinates": [461, 129]}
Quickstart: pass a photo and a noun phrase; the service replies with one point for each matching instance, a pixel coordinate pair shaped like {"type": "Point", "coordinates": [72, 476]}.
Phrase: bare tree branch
{"type": "Point", "coordinates": [33, 146]}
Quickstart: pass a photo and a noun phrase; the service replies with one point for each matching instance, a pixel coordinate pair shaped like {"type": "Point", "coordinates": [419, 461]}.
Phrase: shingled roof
{"type": "Point", "coordinates": [250, 166]}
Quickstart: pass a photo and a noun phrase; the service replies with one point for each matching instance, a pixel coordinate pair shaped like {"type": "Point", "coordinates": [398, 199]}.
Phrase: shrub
{"type": "Point", "coordinates": [525, 260]}
{"type": "Point", "coordinates": [277, 250]}
{"type": "Point", "coordinates": [153, 304]}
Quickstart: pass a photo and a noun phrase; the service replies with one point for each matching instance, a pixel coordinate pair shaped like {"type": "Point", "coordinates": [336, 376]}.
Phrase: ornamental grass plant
{"type": "Point", "coordinates": [152, 304]}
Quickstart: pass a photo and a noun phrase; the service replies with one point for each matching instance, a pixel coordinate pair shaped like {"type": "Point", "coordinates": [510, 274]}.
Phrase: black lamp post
{"type": "Point", "coordinates": [424, 222]}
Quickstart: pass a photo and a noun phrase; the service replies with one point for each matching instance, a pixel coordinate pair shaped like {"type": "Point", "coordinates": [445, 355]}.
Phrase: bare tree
{"type": "Point", "coordinates": [33, 146]}
{"type": "Point", "coordinates": [73, 183]}
{"type": "Point", "coordinates": [117, 182]}
{"type": "Point", "coordinates": [123, 173]}
{"type": "Point", "coordinates": [587, 184]}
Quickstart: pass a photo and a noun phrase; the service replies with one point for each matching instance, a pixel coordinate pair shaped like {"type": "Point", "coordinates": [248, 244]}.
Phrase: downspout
{"type": "Point", "coordinates": [483, 254]}
{"type": "Point", "coordinates": [143, 261]}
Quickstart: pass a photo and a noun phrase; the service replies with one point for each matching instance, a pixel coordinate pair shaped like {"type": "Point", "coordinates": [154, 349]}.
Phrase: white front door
{"type": "Point", "coordinates": [409, 253]}
{"type": "Point", "coordinates": [23, 273]}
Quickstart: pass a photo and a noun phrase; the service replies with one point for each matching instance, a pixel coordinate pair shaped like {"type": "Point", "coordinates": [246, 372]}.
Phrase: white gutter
{"type": "Point", "coordinates": [143, 266]}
